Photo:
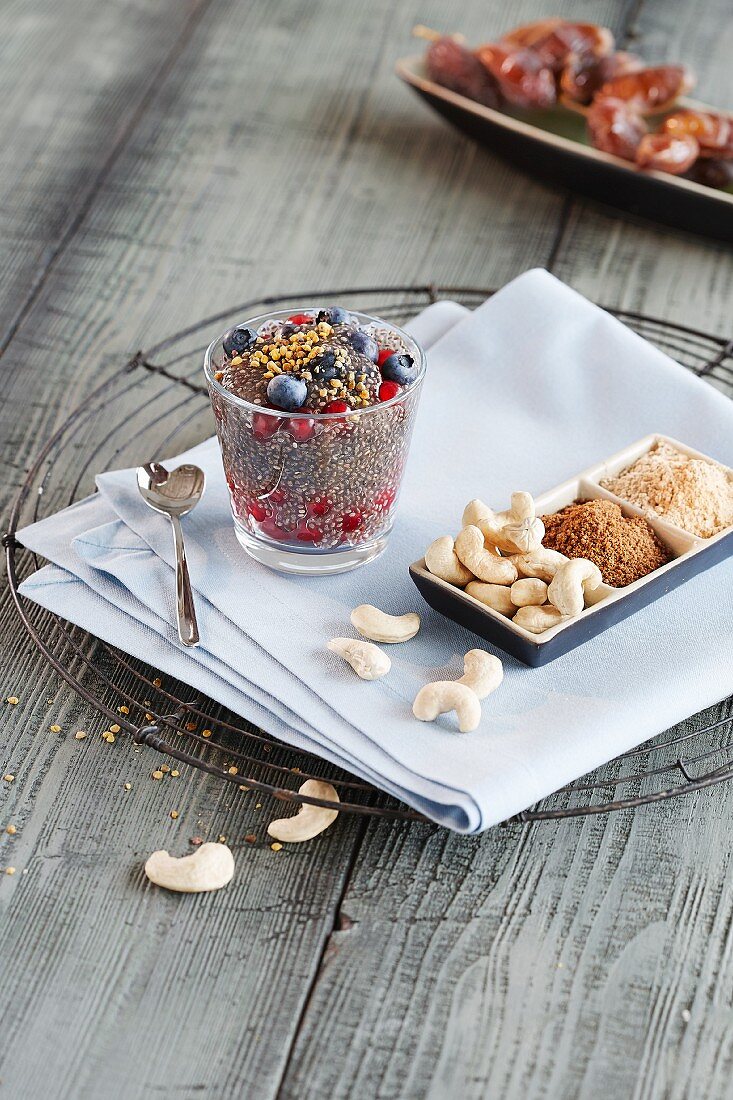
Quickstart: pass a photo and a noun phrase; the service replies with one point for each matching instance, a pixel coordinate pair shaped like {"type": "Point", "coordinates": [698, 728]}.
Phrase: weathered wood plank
{"type": "Point", "coordinates": [74, 78]}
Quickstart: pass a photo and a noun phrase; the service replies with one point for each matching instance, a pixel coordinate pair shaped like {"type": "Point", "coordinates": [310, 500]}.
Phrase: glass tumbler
{"type": "Point", "coordinates": [314, 493]}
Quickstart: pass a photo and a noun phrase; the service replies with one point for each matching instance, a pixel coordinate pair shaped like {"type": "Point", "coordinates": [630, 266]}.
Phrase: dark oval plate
{"type": "Point", "coordinates": [552, 145]}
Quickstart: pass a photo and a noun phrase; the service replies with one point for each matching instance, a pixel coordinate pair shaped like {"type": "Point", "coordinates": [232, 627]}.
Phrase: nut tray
{"type": "Point", "coordinates": [691, 556]}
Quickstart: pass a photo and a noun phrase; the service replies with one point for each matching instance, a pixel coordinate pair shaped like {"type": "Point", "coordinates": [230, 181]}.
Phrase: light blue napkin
{"type": "Point", "coordinates": [532, 387]}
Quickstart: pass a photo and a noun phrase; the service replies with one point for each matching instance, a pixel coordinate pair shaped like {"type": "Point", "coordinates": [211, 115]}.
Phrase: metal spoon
{"type": "Point", "coordinates": [175, 493]}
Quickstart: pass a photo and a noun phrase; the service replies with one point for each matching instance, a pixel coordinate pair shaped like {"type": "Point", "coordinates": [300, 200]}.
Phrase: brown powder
{"type": "Point", "coordinates": [689, 492]}
{"type": "Point", "coordinates": [624, 548]}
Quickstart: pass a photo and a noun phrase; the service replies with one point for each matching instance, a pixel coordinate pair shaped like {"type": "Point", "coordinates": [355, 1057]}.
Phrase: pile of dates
{"type": "Point", "coordinates": [554, 61]}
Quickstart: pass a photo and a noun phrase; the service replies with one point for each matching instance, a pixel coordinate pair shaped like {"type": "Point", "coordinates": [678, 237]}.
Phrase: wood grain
{"type": "Point", "coordinates": [197, 155]}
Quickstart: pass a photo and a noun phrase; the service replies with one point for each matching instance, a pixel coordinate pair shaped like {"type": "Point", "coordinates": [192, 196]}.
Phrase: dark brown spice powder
{"type": "Point", "coordinates": [624, 548]}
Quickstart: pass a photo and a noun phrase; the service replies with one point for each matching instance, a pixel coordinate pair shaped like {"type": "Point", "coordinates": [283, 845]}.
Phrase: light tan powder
{"type": "Point", "coordinates": [689, 492]}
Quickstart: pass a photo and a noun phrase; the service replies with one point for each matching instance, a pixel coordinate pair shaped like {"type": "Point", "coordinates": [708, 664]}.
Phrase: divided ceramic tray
{"type": "Point", "coordinates": [690, 556]}
{"type": "Point", "coordinates": [552, 145]}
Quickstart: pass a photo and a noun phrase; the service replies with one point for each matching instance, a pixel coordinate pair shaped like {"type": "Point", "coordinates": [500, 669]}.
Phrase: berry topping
{"type": "Point", "coordinates": [265, 426]}
{"type": "Point", "coordinates": [238, 340]}
{"type": "Point", "coordinates": [287, 392]}
{"type": "Point", "coordinates": [302, 430]}
{"type": "Point", "coordinates": [333, 315]}
{"type": "Point", "coordinates": [336, 407]}
{"type": "Point", "coordinates": [364, 344]}
{"type": "Point", "coordinates": [300, 319]}
{"type": "Point", "coordinates": [324, 368]}
{"type": "Point", "coordinates": [388, 390]}
{"type": "Point", "coordinates": [277, 496]}
{"type": "Point", "coordinates": [384, 353]}
{"type": "Point", "coordinates": [399, 368]}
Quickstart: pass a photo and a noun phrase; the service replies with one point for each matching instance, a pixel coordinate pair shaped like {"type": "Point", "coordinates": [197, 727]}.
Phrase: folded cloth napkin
{"type": "Point", "coordinates": [524, 392]}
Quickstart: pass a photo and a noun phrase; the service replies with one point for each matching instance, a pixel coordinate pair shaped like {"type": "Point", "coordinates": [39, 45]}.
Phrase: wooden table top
{"type": "Point", "coordinates": [159, 161]}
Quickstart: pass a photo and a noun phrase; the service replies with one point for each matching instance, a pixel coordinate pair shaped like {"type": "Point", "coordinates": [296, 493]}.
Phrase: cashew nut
{"type": "Point", "coordinates": [566, 590]}
{"type": "Point", "coordinates": [444, 696]}
{"type": "Point", "coordinates": [529, 591]}
{"type": "Point", "coordinates": [380, 627]}
{"type": "Point", "coordinates": [442, 561]}
{"type": "Point", "coordinates": [367, 660]}
{"type": "Point", "coordinates": [208, 868]}
{"type": "Point", "coordinates": [496, 596]}
{"type": "Point", "coordinates": [538, 619]}
{"type": "Point", "coordinates": [541, 563]}
{"type": "Point", "coordinates": [469, 547]}
{"type": "Point", "coordinates": [310, 820]}
{"type": "Point", "coordinates": [515, 531]}
{"type": "Point", "coordinates": [482, 672]}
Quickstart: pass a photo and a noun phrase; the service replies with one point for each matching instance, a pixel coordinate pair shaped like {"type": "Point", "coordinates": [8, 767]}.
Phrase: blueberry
{"type": "Point", "coordinates": [399, 368]}
{"type": "Point", "coordinates": [324, 367]}
{"type": "Point", "coordinates": [287, 392]}
{"type": "Point", "coordinates": [238, 339]}
{"type": "Point", "coordinates": [334, 315]}
{"type": "Point", "coordinates": [364, 344]}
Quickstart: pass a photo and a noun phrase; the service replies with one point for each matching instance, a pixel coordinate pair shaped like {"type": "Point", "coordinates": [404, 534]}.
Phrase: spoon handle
{"type": "Point", "coordinates": [188, 630]}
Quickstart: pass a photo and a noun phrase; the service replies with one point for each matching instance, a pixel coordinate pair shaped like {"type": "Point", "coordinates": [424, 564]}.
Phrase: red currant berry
{"type": "Point", "coordinates": [388, 390]}
{"type": "Point", "coordinates": [336, 407]}
{"type": "Point", "coordinates": [301, 319]}
{"type": "Point", "coordinates": [350, 520]}
{"type": "Point", "coordinates": [257, 510]}
{"type": "Point", "coordinates": [301, 430]}
{"type": "Point", "coordinates": [384, 353]}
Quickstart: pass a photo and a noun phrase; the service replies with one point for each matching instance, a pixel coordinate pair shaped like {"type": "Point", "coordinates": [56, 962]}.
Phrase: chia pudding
{"type": "Point", "coordinates": [314, 413]}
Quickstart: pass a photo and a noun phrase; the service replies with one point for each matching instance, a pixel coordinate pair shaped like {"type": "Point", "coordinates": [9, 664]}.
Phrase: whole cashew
{"type": "Point", "coordinates": [529, 591]}
{"type": "Point", "coordinates": [540, 563]}
{"type": "Point", "coordinates": [367, 660]}
{"type": "Point", "coordinates": [310, 820]}
{"type": "Point", "coordinates": [566, 590]}
{"type": "Point", "coordinates": [208, 868]}
{"type": "Point", "coordinates": [482, 672]}
{"type": "Point", "coordinates": [538, 619]}
{"type": "Point", "coordinates": [496, 596]}
{"type": "Point", "coordinates": [380, 627]}
{"type": "Point", "coordinates": [442, 561]}
{"type": "Point", "coordinates": [469, 547]}
{"type": "Point", "coordinates": [444, 696]}
{"type": "Point", "coordinates": [516, 530]}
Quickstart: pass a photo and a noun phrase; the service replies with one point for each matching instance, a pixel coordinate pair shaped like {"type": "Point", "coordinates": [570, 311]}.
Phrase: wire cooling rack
{"type": "Point", "coordinates": [156, 405]}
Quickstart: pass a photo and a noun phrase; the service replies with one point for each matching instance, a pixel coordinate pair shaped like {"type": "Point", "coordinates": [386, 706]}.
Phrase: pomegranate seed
{"type": "Point", "coordinates": [384, 353]}
{"type": "Point", "coordinates": [273, 530]}
{"type": "Point", "coordinates": [301, 430]}
{"type": "Point", "coordinates": [263, 426]}
{"type": "Point", "coordinates": [257, 510]}
{"type": "Point", "coordinates": [388, 390]}
{"type": "Point", "coordinates": [350, 520]}
{"type": "Point", "coordinates": [319, 507]}
{"type": "Point", "coordinates": [384, 500]}
{"type": "Point", "coordinates": [301, 319]}
{"type": "Point", "coordinates": [336, 407]}
{"type": "Point", "coordinates": [308, 534]}
{"type": "Point", "coordinates": [277, 496]}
